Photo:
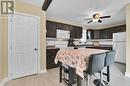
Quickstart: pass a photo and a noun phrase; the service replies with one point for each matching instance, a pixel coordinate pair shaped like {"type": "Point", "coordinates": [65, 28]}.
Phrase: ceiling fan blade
{"type": "Point", "coordinates": [90, 21]}
{"type": "Point", "coordinates": [99, 21]}
{"type": "Point", "coordinates": [105, 17]}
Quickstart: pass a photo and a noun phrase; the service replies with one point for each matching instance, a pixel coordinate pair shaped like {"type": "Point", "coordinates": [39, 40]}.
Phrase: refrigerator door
{"type": "Point", "coordinates": [119, 37]}
{"type": "Point", "coordinates": [114, 37]}
{"type": "Point", "coordinates": [120, 48]}
{"type": "Point", "coordinates": [114, 46]}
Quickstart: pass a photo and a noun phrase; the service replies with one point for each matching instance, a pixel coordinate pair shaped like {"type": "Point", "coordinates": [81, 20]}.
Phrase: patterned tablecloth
{"type": "Point", "coordinates": [76, 58]}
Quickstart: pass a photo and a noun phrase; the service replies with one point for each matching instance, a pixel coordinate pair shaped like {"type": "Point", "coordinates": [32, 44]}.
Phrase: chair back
{"type": "Point", "coordinates": [96, 63]}
{"type": "Point", "coordinates": [110, 56]}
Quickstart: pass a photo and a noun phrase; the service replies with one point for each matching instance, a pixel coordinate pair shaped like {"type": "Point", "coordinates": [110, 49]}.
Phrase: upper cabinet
{"type": "Point", "coordinates": [106, 33]}
{"type": "Point", "coordinates": [51, 29]}
{"type": "Point", "coordinates": [59, 26]}
{"type": "Point", "coordinates": [75, 31]}
{"type": "Point", "coordinates": [96, 34]}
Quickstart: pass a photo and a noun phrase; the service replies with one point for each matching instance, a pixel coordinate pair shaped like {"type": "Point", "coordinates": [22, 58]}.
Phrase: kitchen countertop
{"type": "Point", "coordinates": [93, 46]}
{"type": "Point", "coordinates": [85, 46]}
{"type": "Point", "coordinates": [99, 46]}
{"type": "Point", "coordinates": [88, 40]}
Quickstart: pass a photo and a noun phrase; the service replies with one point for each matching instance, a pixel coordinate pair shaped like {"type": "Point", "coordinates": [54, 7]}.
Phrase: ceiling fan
{"type": "Point", "coordinates": [96, 18]}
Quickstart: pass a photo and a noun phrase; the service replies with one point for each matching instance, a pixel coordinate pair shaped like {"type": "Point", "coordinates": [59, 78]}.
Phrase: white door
{"type": "Point", "coordinates": [24, 46]}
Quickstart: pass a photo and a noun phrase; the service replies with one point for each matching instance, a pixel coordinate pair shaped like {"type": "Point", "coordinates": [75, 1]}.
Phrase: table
{"type": "Point", "coordinates": [76, 58]}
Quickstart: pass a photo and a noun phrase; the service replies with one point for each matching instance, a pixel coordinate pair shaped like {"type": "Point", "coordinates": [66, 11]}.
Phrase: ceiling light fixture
{"type": "Point", "coordinates": [95, 20]}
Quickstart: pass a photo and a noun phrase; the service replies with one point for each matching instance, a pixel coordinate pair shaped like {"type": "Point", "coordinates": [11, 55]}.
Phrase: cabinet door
{"type": "Point", "coordinates": [71, 32]}
{"type": "Point", "coordinates": [103, 34]}
{"type": "Point", "coordinates": [96, 34]}
{"type": "Point", "coordinates": [77, 32]}
{"type": "Point", "coordinates": [51, 29]}
{"type": "Point", "coordinates": [50, 57]}
{"type": "Point", "coordinates": [60, 26]}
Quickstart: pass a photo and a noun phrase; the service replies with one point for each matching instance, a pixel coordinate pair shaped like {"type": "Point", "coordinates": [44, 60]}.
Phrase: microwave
{"type": "Point", "coordinates": [63, 34]}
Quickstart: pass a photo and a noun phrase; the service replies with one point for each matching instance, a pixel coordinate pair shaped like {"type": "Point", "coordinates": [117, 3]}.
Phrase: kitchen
{"type": "Point", "coordinates": [77, 31]}
{"type": "Point", "coordinates": [62, 35]}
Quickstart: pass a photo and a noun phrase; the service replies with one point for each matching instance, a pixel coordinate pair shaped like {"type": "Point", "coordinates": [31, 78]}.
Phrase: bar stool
{"type": "Point", "coordinates": [109, 60]}
{"type": "Point", "coordinates": [96, 63]}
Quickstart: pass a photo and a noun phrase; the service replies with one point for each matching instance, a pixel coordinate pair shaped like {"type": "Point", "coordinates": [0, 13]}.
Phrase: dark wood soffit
{"type": "Point", "coordinates": [46, 4]}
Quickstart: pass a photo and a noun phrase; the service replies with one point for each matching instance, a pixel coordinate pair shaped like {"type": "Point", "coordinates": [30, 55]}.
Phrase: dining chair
{"type": "Point", "coordinates": [96, 63]}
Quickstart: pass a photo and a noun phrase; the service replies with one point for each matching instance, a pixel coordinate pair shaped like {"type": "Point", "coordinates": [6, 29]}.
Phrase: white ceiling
{"type": "Point", "coordinates": [78, 10]}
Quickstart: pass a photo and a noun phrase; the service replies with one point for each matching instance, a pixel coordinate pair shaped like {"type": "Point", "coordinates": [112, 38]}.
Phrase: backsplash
{"type": "Point", "coordinates": [63, 43]}
{"type": "Point", "coordinates": [57, 44]}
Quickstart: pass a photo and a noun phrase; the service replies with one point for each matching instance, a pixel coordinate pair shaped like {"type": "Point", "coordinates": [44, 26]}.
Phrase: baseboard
{"type": "Point", "coordinates": [2, 83]}
{"type": "Point", "coordinates": [43, 71]}
{"type": "Point", "coordinates": [120, 62]}
{"type": "Point", "coordinates": [127, 74]}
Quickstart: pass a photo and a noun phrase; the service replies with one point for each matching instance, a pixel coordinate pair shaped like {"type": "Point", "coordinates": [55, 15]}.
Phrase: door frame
{"type": "Point", "coordinates": [10, 41]}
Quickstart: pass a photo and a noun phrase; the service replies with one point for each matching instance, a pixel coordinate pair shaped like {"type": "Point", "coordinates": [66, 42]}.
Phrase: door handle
{"type": "Point", "coordinates": [35, 49]}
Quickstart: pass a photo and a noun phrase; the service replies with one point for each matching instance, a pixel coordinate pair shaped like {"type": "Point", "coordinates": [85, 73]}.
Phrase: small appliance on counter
{"type": "Point", "coordinates": [70, 43]}
{"type": "Point", "coordinates": [96, 43]}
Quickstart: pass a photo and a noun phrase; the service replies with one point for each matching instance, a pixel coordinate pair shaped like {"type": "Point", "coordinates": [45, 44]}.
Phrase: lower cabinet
{"type": "Point", "coordinates": [50, 57]}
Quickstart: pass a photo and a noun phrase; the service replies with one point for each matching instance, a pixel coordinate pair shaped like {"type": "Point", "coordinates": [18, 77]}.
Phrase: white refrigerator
{"type": "Point", "coordinates": [119, 44]}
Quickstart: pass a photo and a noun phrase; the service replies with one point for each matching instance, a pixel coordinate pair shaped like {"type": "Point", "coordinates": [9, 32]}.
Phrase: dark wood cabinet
{"type": "Point", "coordinates": [59, 26]}
{"type": "Point", "coordinates": [75, 31]}
{"type": "Point", "coordinates": [96, 34]}
{"type": "Point", "coordinates": [50, 56]}
{"type": "Point", "coordinates": [106, 33]}
{"type": "Point", "coordinates": [51, 29]}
